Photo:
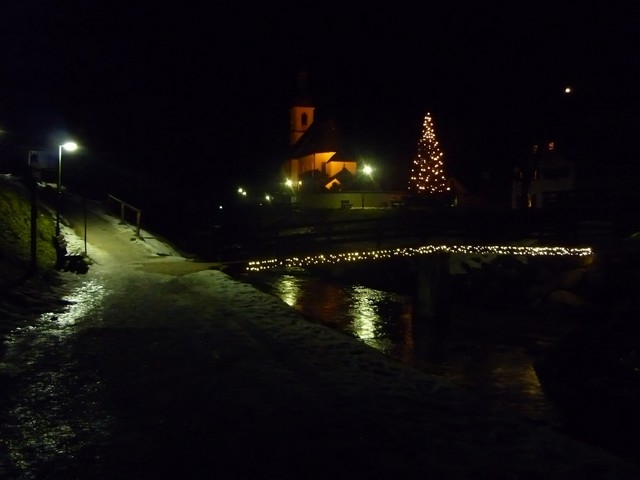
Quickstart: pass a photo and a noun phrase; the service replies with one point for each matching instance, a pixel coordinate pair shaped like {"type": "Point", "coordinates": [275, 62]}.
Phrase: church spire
{"type": "Point", "coordinates": [302, 96]}
{"type": "Point", "coordinates": [302, 110]}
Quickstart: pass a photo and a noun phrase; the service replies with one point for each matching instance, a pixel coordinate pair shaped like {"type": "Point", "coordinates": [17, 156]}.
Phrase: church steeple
{"type": "Point", "coordinates": [316, 156]}
{"type": "Point", "coordinates": [302, 96]}
{"type": "Point", "coordinates": [301, 114]}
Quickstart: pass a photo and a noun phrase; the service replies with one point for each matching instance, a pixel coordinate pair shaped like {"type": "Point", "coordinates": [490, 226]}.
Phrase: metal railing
{"type": "Point", "coordinates": [124, 205]}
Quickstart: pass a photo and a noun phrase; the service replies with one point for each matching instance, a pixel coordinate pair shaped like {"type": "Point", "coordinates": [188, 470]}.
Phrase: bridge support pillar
{"type": "Point", "coordinates": [433, 291]}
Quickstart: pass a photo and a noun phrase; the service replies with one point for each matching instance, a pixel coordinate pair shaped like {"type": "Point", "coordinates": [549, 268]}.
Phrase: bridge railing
{"type": "Point", "coordinates": [409, 230]}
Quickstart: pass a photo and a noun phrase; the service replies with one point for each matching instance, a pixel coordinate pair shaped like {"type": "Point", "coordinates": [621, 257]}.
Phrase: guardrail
{"type": "Point", "coordinates": [124, 205]}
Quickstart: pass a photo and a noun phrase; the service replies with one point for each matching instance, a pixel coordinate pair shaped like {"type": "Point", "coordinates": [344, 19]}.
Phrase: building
{"type": "Point", "coordinates": [318, 159]}
{"type": "Point", "coordinates": [543, 180]}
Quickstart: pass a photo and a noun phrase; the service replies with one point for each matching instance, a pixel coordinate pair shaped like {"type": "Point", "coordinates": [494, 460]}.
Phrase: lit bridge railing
{"type": "Point", "coordinates": [318, 259]}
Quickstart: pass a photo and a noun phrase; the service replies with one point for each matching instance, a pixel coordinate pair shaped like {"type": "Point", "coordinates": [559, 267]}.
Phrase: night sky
{"type": "Point", "coordinates": [201, 94]}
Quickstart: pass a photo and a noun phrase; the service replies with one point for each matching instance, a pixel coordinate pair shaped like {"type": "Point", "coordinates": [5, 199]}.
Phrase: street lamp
{"type": "Point", "coordinates": [70, 147]}
{"type": "Point", "coordinates": [367, 170]}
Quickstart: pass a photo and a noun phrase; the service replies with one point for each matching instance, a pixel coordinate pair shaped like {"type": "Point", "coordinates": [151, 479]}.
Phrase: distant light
{"type": "Point", "coordinates": [567, 90]}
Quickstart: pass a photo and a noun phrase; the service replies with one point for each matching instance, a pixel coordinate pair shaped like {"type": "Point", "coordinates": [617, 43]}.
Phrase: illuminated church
{"type": "Point", "coordinates": [317, 159]}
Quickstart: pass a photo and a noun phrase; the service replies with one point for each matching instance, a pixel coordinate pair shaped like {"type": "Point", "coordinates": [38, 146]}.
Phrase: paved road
{"type": "Point", "coordinates": [164, 368]}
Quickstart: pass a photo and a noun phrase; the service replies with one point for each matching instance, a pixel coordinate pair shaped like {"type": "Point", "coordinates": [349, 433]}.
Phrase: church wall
{"type": "Point", "coordinates": [298, 126]}
{"type": "Point", "coordinates": [314, 162]}
{"type": "Point", "coordinates": [332, 168]}
{"type": "Point", "coordinates": [373, 199]}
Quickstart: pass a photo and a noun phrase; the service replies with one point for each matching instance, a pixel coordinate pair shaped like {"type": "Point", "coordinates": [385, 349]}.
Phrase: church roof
{"type": "Point", "coordinates": [341, 156]}
{"type": "Point", "coordinates": [319, 138]}
{"type": "Point", "coordinates": [344, 176]}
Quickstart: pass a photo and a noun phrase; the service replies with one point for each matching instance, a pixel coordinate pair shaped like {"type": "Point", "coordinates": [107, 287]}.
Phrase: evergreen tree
{"type": "Point", "coordinates": [427, 173]}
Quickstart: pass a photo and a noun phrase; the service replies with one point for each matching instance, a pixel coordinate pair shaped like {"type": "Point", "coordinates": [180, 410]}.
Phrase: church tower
{"type": "Point", "coordinates": [300, 118]}
{"type": "Point", "coordinates": [316, 154]}
{"type": "Point", "coordinates": [301, 114]}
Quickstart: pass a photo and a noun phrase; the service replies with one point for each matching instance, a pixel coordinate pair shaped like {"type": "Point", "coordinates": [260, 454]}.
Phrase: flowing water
{"type": "Point", "coordinates": [490, 351]}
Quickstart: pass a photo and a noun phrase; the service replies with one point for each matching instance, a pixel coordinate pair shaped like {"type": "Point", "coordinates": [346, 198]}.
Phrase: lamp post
{"type": "Point", "coordinates": [367, 170]}
{"type": "Point", "coordinates": [70, 147]}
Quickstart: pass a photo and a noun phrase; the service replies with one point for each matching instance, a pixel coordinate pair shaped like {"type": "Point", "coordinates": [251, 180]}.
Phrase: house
{"type": "Point", "coordinates": [545, 179]}
{"type": "Point", "coordinates": [318, 159]}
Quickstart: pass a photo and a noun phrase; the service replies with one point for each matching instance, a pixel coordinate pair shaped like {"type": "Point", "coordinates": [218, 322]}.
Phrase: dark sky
{"type": "Point", "coordinates": [186, 86]}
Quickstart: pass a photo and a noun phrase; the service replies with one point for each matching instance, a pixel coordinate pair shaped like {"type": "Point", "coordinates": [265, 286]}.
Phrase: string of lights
{"type": "Point", "coordinates": [427, 173]}
{"type": "Point", "coordinates": [311, 260]}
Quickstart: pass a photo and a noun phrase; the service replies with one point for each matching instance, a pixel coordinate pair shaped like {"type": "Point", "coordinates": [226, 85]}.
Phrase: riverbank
{"type": "Point", "coordinates": [199, 375]}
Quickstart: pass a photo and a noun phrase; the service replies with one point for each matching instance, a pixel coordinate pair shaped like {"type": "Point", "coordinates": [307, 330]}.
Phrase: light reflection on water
{"type": "Point", "coordinates": [353, 309]}
{"type": "Point", "coordinates": [497, 367]}
{"type": "Point", "coordinates": [84, 302]}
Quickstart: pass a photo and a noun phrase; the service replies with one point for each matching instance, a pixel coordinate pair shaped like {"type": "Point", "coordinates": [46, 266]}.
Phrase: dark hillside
{"type": "Point", "coordinates": [15, 232]}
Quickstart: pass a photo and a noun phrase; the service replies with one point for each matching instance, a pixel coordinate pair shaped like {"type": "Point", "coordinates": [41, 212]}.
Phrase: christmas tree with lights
{"type": "Point", "coordinates": [427, 173]}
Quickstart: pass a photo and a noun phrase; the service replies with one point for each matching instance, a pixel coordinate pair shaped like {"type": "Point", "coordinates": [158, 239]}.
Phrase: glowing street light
{"type": "Point", "coordinates": [70, 147]}
{"type": "Point", "coordinates": [367, 170]}
{"type": "Point", "coordinates": [289, 183]}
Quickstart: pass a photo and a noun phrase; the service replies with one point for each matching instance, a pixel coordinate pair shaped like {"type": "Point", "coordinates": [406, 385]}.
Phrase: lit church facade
{"type": "Point", "coordinates": [317, 158]}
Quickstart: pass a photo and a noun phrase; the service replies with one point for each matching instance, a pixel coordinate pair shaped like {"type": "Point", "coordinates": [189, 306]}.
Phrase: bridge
{"type": "Point", "coordinates": [303, 241]}
{"type": "Point", "coordinates": [427, 239]}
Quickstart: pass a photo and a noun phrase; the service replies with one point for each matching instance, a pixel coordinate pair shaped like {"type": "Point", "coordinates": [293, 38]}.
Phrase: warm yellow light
{"type": "Point", "coordinates": [259, 265]}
